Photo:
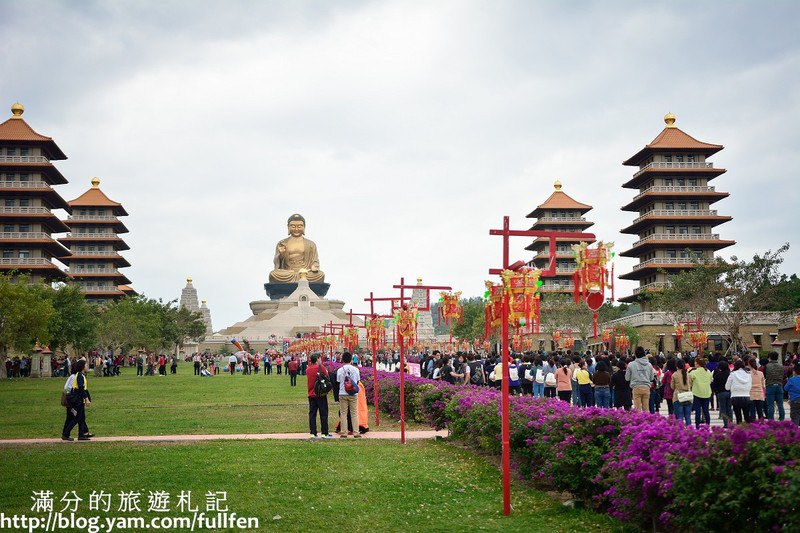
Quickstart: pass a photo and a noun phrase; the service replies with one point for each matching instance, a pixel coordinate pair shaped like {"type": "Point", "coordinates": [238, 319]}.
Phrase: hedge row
{"type": "Point", "coordinates": [642, 468]}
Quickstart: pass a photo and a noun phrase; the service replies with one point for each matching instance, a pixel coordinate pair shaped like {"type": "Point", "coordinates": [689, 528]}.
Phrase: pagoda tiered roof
{"type": "Point", "coordinates": [673, 138]}
{"type": "Point", "coordinates": [16, 129]}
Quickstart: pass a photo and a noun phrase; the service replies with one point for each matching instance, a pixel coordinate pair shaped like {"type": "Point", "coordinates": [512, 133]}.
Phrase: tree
{"type": "Point", "coordinates": [725, 292]}
{"type": "Point", "coordinates": [129, 323]}
{"type": "Point", "coordinates": [472, 326]}
{"type": "Point", "coordinates": [189, 325]}
{"type": "Point", "coordinates": [786, 294]}
{"type": "Point", "coordinates": [74, 321]}
{"type": "Point", "coordinates": [25, 312]}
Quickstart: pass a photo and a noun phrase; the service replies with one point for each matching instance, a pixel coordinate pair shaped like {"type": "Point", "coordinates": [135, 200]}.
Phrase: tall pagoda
{"type": "Point", "coordinates": [675, 223]}
{"type": "Point", "coordinates": [558, 213]}
{"type": "Point", "coordinates": [95, 244]}
{"type": "Point", "coordinates": [27, 199]}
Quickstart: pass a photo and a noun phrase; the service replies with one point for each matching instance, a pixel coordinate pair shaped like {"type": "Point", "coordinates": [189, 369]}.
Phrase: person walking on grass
{"type": "Point", "coordinates": [317, 404]}
{"type": "Point", "coordinates": [294, 369]}
{"type": "Point", "coordinates": [78, 398]}
{"type": "Point", "coordinates": [348, 377]}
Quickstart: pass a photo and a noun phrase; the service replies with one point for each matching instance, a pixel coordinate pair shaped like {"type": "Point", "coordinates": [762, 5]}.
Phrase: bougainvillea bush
{"type": "Point", "coordinates": [643, 468]}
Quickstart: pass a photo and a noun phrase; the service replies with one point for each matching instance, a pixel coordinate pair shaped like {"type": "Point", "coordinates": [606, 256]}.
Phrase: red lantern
{"type": "Point", "coordinates": [450, 308]}
{"type": "Point", "coordinates": [797, 324]}
{"type": "Point", "coordinates": [592, 276]}
{"type": "Point", "coordinates": [406, 320]}
{"type": "Point", "coordinates": [521, 288]}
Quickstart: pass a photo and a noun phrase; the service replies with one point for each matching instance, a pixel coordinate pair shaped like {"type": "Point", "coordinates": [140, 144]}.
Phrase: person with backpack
{"type": "Point", "coordinates": [319, 385]}
{"type": "Point", "coordinates": [348, 377]}
{"type": "Point", "coordinates": [476, 375]}
{"type": "Point", "coordinates": [537, 371]}
{"type": "Point", "coordinates": [526, 374]}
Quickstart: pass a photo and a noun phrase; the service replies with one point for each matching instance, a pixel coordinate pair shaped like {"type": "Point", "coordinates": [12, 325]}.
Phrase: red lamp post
{"type": "Point", "coordinates": [551, 271]}
{"type": "Point", "coordinates": [405, 320]}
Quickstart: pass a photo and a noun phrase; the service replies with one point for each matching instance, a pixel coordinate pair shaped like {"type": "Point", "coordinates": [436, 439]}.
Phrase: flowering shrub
{"type": "Point", "coordinates": [642, 468]}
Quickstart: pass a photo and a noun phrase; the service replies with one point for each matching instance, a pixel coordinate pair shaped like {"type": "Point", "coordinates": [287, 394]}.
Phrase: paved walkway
{"type": "Point", "coordinates": [385, 435]}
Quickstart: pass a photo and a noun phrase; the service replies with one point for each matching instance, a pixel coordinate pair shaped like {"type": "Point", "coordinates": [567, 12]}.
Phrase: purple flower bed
{"type": "Point", "coordinates": [645, 469]}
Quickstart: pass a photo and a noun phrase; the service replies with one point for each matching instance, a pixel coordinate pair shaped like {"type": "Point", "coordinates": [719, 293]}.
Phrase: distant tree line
{"type": "Point", "coordinates": [60, 317]}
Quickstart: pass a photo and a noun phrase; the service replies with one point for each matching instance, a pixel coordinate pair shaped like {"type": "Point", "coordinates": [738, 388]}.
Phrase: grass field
{"type": "Point", "coordinates": [175, 404]}
{"type": "Point", "coordinates": [366, 485]}
{"type": "Point", "coordinates": [313, 486]}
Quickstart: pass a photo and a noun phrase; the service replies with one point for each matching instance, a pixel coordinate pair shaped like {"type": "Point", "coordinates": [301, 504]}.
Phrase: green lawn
{"type": "Point", "coordinates": [313, 486]}
{"type": "Point", "coordinates": [175, 404]}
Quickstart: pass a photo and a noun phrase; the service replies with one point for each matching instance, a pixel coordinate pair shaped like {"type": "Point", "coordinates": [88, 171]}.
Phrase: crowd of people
{"type": "Point", "coordinates": [743, 386]}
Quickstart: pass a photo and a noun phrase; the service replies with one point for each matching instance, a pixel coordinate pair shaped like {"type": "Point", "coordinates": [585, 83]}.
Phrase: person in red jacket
{"type": "Point", "coordinates": [316, 404]}
{"type": "Point", "coordinates": [294, 368]}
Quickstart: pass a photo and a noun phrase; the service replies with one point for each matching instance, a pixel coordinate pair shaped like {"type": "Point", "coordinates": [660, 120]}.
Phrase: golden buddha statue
{"type": "Point", "coordinates": [296, 256]}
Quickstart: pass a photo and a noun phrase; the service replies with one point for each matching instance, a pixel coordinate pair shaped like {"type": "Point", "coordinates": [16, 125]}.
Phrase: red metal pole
{"type": "Point", "coordinates": [375, 379]}
{"type": "Point", "coordinates": [506, 458]}
{"type": "Point", "coordinates": [402, 392]}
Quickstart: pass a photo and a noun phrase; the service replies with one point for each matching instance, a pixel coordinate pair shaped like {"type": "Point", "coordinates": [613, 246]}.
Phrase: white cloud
{"type": "Point", "coordinates": [403, 131]}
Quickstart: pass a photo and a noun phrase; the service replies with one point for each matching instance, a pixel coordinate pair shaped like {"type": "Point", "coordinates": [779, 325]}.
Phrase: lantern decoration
{"type": "Point", "coordinates": [563, 338]}
{"type": "Point", "coordinates": [680, 329]}
{"type": "Point", "coordinates": [621, 342]}
{"type": "Point", "coordinates": [607, 335]}
{"type": "Point", "coordinates": [493, 308]}
{"type": "Point", "coordinates": [450, 308]}
{"type": "Point", "coordinates": [592, 276]}
{"type": "Point", "coordinates": [376, 330]}
{"type": "Point", "coordinates": [569, 342]}
{"type": "Point", "coordinates": [406, 319]}
{"type": "Point", "coordinates": [527, 344]}
{"type": "Point", "coordinates": [487, 345]}
{"type": "Point", "coordinates": [698, 339]}
{"type": "Point", "coordinates": [516, 342]}
{"type": "Point", "coordinates": [351, 338]}
{"type": "Point", "coordinates": [477, 344]}
{"type": "Point", "coordinates": [522, 290]}
{"type": "Point", "coordinates": [797, 324]}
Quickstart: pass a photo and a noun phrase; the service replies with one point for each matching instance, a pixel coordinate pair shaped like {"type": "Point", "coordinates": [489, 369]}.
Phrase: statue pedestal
{"type": "Point", "coordinates": [36, 365]}
{"type": "Point", "coordinates": [277, 291]}
{"type": "Point", "coordinates": [47, 366]}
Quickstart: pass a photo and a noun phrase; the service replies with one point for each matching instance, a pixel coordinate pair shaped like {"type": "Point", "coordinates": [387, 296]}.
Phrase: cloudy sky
{"type": "Point", "coordinates": [403, 131]}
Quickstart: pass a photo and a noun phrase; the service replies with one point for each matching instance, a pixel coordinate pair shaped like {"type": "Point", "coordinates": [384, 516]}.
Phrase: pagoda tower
{"type": "Point", "coordinates": [95, 242]}
{"type": "Point", "coordinates": [206, 312]}
{"type": "Point", "coordinates": [27, 199]}
{"type": "Point", "coordinates": [189, 297]}
{"type": "Point", "coordinates": [675, 223]}
{"type": "Point", "coordinates": [558, 213]}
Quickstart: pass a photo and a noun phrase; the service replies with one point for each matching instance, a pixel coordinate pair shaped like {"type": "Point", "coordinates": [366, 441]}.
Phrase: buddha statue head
{"type": "Point", "coordinates": [296, 225]}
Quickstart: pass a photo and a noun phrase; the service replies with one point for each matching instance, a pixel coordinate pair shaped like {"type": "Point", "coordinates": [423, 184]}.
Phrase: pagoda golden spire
{"type": "Point", "coordinates": [17, 110]}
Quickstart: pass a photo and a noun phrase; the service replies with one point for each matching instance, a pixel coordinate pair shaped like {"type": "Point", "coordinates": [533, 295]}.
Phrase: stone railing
{"type": "Point", "coordinates": [24, 261]}
{"type": "Point", "coordinates": [557, 288]}
{"type": "Point", "coordinates": [692, 213]}
{"type": "Point", "coordinates": [91, 217]}
{"type": "Point", "coordinates": [664, 261]}
{"type": "Point", "coordinates": [675, 189]}
{"type": "Point", "coordinates": [31, 235]}
{"type": "Point", "coordinates": [92, 271]}
{"type": "Point", "coordinates": [561, 219]}
{"type": "Point", "coordinates": [100, 253]}
{"type": "Point", "coordinates": [24, 210]}
{"type": "Point", "coordinates": [94, 288]}
{"type": "Point", "coordinates": [678, 237]}
{"type": "Point", "coordinates": [676, 165]}
{"type": "Point", "coordinates": [92, 236]}
{"type": "Point", "coordinates": [23, 159]}
{"type": "Point", "coordinates": [38, 184]}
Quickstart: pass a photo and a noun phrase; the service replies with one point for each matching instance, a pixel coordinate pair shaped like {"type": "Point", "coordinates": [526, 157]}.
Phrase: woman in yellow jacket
{"type": "Point", "coordinates": [700, 383]}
